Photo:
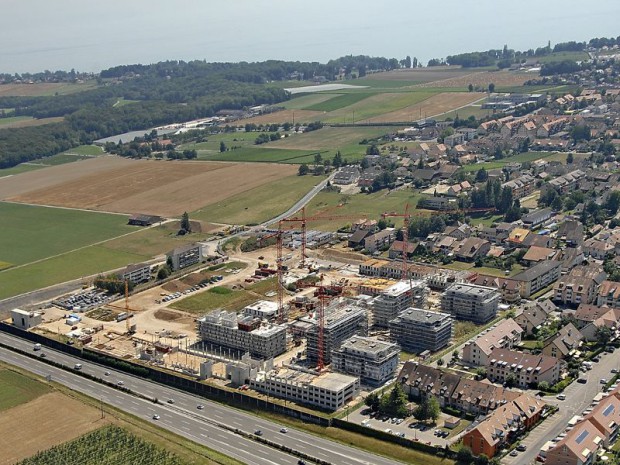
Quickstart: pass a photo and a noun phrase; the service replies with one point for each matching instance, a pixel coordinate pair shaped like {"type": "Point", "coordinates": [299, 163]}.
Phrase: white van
{"type": "Point", "coordinates": [78, 366]}
{"type": "Point", "coordinates": [37, 346]}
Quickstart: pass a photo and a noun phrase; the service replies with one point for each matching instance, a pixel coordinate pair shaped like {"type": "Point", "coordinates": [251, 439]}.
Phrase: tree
{"type": "Point", "coordinates": [364, 164]}
{"type": "Point", "coordinates": [372, 401]}
{"type": "Point", "coordinates": [603, 335]}
{"type": "Point", "coordinates": [337, 161]}
{"type": "Point", "coordinates": [303, 169]}
{"type": "Point", "coordinates": [395, 403]}
{"type": "Point", "coordinates": [163, 272]}
{"type": "Point", "coordinates": [428, 409]}
{"type": "Point", "coordinates": [613, 202]}
{"type": "Point", "coordinates": [570, 158]}
{"type": "Point", "coordinates": [491, 88]}
{"type": "Point", "coordinates": [510, 380]}
{"type": "Point", "coordinates": [318, 159]}
{"type": "Point", "coordinates": [372, 150]}
{"type": "Point", "coordinates": [471, 87]}
{"type": "Point", "coordinates": [440, 362]}
{"type": "Point", "coordinates": [482, 175]}
{"type": "Point", "coordinates": [556, 205]}
{"type": "Point", "coordinates": [544, 386]}
{"type": "Point", "coordinates": [222, 147]}
{"type": "Point", "coordinates": [185, 224]}
{"type": "Point", "coordinates": [464, 455]}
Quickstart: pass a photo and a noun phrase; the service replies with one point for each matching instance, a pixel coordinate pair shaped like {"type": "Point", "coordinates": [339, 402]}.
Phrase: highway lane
{"type": "Point", "coordinates": [217, 414]}
{"type": "Point", "coordinates": [191, 427]}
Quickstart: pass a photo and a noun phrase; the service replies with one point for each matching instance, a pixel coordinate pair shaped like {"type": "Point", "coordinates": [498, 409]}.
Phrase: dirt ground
{"type": "Point", "coordinates": [435, 105]}
{"type": "Point", "coordinates": [130, 186]}
{"type": "Point", "coordinates": [45, 422]}
{"type": "Point", "coordinates": [483, 79]}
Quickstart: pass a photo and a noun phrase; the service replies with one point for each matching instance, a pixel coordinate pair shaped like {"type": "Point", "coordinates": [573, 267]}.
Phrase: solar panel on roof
{"type": "Point", "coordinates": [582, 436]}
{"type": "Point", "coordinates": [608, 410]}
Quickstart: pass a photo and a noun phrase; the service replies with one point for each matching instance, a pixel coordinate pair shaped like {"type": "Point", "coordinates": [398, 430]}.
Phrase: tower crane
{"type": "Point", "coordinates": [126, 307]}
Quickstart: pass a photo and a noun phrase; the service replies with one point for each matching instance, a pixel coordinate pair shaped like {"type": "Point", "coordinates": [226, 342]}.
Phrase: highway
{"type": "Point", "coordinates": [205, 426]}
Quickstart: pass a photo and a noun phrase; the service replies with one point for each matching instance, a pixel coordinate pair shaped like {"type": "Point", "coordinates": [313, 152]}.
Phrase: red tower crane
{"type": "Point", "coordinates": [406, 217]}
{"type": "Point", "coordinates": [280, 271]}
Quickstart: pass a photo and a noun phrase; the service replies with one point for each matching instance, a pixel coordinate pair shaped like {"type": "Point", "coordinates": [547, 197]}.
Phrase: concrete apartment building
{"type": "Point", "coordinates": [245, 333]}
{"type": "Point", "coordinates": [527, 369]}
{"type": "Point", "coordinates": [23, 319]}
{"type": "Point", "coordinates": [327, 391]}
{"type": "Point", "coordinates": [396, 298]}
{"type": "Point", "coordinates": [579, 286]}
{"type": "Point", "coordinates": [263, 309]}
{"type": "Point", "coordinates": [185, 256]}
{"type": "Point", "coordinates": [138, 273]}
{"type": "Point", "coordinates": [373, 361]}
{"type": "Point", "coordinates": [343, 318]}
{"type": "Point", "coordinates": [417, 330]}
{"type": "Point", "coordinates": [506, 334]}
{"type": "Point", "coordinates": [522, 186]}
{"type": "Point", "coordinates": [538, 277]}
{"type": "Point", "coordinates": [470, 302]}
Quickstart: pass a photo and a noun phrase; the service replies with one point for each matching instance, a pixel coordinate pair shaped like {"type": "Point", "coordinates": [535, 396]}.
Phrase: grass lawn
{"type": "Point", "coordinates": [31, 233]}
{"type": "Point", "coordinates": [519, 158]}
{"type": "Point", "coordinates": [18, 389]}
{"type": "Point", "coordinates": [306, 100]}
{"type": "Point", "coordinates": [225, 298]}
{"type": "Point", "coordinates": [92, 150]}
{"type": "Point", "coordinates": [463, 113]}
{"type": "Point", "coordinates": [14, 119]}
{"type": "Point", "coordinates": [61, 159]}
{"type": "Point", "coordinates": [486, 220]}
{"type": "Point", "coordinates": [261, 153]}
{"type": "Point", "coordinates": [72, 265]}
{"type": "Point", "coordinates": [259, 204]}
{"type": "Point", "coordinates": [339, 101]}
{"type": "Point", "coordinates": [516, 269]}
{"type": "Point", "coordinates": [22, 168]}
{"type": "Point", "coordinates": [369, 205]}
{"type": "Point", "coordinates": [531, 345]}
{"type": "Point", "coordinates": [488, 165]}
{"type": "Point", "coordinates": [561, 56]}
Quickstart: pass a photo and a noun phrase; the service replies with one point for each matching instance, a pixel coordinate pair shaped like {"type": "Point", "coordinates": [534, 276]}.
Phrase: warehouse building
{"type": "Point", "coordinates": [417, 330]}
{"type": "Point", "coordinates": [373, 361]}
{"type": "Point", "coordinates": [470, 302]}
{"type": "Point", "coordinates": [343, 318]}
{"type": "Point", "coordinates": [245, 334]}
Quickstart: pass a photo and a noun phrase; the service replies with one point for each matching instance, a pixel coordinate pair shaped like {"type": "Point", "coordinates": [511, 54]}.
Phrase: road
{"type": "Point", "coordinates": [207, 426]}
{"type": "Point", "coordinates": [578, 398]}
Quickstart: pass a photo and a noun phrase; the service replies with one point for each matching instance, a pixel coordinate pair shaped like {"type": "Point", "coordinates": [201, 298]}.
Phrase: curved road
{"type": "Point", "coordinates": [209, 426]}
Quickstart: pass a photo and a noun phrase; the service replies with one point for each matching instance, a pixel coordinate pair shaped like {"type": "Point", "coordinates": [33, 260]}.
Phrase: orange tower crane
{"type": "Point", "coordinates": [406, 217]}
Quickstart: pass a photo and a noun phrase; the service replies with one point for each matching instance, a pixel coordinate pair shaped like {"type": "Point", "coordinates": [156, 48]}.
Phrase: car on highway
{"type": "Point", "coordinates": [120, 383]}
{"type": "Point", "coordinates": [283, 430]}
{"type": "Point", "coordinates": [77, 366]}
{"type": "Point", "coordinates": [258, 432]}
{"type": "Point", "coordinates": [42, 355]}
{"type": "Point", "coordinates": [37, 347]}
{"type": "Point", "coordinates": [171, 401]}
{"type": "Point", "coordinates": [107, 373]}
{"type": "Point", "coordinates": [614, 370]}
{"type": "Point", "coordinates": [155, 417]}
{"type": "Point", "coordinates": [200, 406]}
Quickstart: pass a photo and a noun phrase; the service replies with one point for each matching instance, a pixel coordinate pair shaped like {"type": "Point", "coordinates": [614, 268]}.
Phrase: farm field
{"type": "Point", "coordinates": [259, 204]}
{"type": "Point", "coordinates": [25, 121]}
{"type": "Point", "coordinates": [283, 116]}
{"type": "Point", "coordinates": [416, 75]}
{"type": "Point", "coordinates": [264, 153]}
{"type": "Point", "coordinates": [561, 56]}
{"type": "Point", "coordinates": [475, 110]}
{"type": "Point", "coordinates": [482, 79]}
{"type": "Point", "coordinates": [50, 419]}
{"type": "Point", "coordinates": [11, 120]}
{"type": "Point", "coordinates": [370, 206]}
{"type": "Point", "coordinates": [18, 389]}
{"type": "Point", "coordinates": [71, 265]}
{"type": "Point", "coordinates": [43, 88]}
{"type": "Point", "coordinates": [432, 106]}
{"type": "Point", "coordinates": [220, 297]}
{"type": "Point", "coordinates": [32, 233]}
{"type": "Point", "coordinates": [140, 186]}
{"type": "Point", "coordinates": [345, 139]}
{"type": "Point", "coordinates": [21, 168]}
{"type": "Point", "coordinates": [109, 445]}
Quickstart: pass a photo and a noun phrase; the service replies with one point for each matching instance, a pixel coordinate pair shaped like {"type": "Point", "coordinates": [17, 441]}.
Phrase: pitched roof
{"type": "Point", "coordinates": [537, 254]}
{"type": "Point", "coordinates": [523, 360]}
{"type": "Point", "coordinates": [493, 337]}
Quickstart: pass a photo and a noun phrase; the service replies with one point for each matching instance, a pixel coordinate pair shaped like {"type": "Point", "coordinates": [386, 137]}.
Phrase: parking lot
{"type": "Point", "coordinates": [85, 300]}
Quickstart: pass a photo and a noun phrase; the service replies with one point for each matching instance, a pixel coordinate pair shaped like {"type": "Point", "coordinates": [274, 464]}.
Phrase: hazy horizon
{"type": "Point", "coordinates": [39, 35]}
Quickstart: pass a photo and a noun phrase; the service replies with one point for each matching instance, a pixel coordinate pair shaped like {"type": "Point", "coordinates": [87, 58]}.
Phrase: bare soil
{"type": "Point", "coordinates": [435, 105]}
{"type": "Point", "coordinates": [483, 79]}
{"type": "Point", "coordinates": [167, 315]}
{"type": "Point", "coordinates": [135, 186]}
{"type": "Point", "coordinates": [45, 422]}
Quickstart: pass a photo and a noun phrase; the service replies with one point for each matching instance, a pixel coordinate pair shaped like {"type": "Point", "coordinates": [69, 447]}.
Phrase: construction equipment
{"type": "Point", "coordinates": [406, 217]}
{"type": "Point", "coordinates": [127, 308]}
{"type": "Point", "coordinates": [279, 270]}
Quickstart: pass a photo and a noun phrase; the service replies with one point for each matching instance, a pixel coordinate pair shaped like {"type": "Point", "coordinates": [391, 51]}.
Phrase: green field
{"type": "Point", "coordinates": [18, 389]}
{"type": "Point", "coordinates": [22, 168]}
{"type": "Point", "coordinates": [220, 297]}
{"type": "Point", "coordinates": [61, 159]}
{"type": "Point", "coordinates": [338, 101]}
{"type": "Point", "coordinates": [306, 100]}
{"type": "Point", "coordinates": [258, 204]}
{"type": "Point", "coordinates": [71, 265]}
{"type": "Point", "coordinates": [519, 158]}
{"type": "Point", "coordinates": [109, 445]}
{"type": "Point", "coordinates": [263, 154]}
{"type": "Point", "coordinates": [561, 56]}
{"type": "Point", "coordinates": [92, 150]}
{"type": "Point", "coordinates": [151, 242]}
{"type": "Point", "coordinates": [14, 119]}
{"type": "Point", "coordinates": [369, 205]}
{"type": "Point", "coordinates": [31, 233]}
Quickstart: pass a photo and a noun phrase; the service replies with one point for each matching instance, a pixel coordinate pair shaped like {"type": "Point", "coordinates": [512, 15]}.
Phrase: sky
{"type": "Point", "coordinates": [91, 35]}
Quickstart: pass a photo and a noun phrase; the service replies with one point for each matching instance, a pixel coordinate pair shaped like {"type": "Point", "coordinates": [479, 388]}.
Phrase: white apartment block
{"type": "Point", "coordinates": [245, 333]}
{"type": "Point", "coordinates": [393, 300]}
{"type": "Point", "coordinates": [417, 330]}
{"type": "Point", "coordinates": [506, 334]}
{"type": "Point", "coordinates": [138, 273]}
{"type": "Point", "coordinates": [373, 361]}
{"type": "Point", "coordinates": [470, 302]}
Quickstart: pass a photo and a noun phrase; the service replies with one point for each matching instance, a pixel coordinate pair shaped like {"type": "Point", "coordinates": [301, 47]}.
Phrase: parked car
{"type": "Point", "coordinates": [582, 380]}
{"type": "Point", "coordinates": [561, 397]}
{"type": "Point", "coordinates": [603, 381]}
{"type": "Point", "coordinates": [521, 447]}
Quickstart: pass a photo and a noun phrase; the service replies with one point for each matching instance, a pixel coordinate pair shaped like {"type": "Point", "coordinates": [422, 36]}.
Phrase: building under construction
{"type": "Point", "coordinates": [243, 333]}
{"type": "Point", "coordinates": [417, 330]}
{"type": "Point", "coordinates": [343, 318]}
{"type": "Point", "coordinates": [374, 361]}
{"type": "Point", "coordinates": [396, 298]}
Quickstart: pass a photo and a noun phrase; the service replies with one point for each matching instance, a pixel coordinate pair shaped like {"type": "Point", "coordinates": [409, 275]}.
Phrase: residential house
{"type": "Point", "coordinates": [526, 370]}
{"type": "Point", "coordinates": [505, 334]}
{"type": "Point", "coordinates": [381, 239]}
{"type": "Point", "coordinates": [522, 186]}
{"type": "Point", "coordinates": [470, 302]}
{"type": "Point", "coordinates": [368, 176]}
{"type": "Point", "coordinates": [608, 294]}
{"type": "Point", "coordinates": [472, 248]}
{"type": "Point", "coordinates": [138, 273]}
{"type": "Point", "coordinates": [564, 344]}
{"type": "Point", "coordinates": [538, 277]}
{"type": "Point", "coordinates": [538, 240]}
{"type": "Point", "coordinates": [534, 316]}
{"type": "Point", "coordinates": [396, 249]}
{"type": "Point", "coordinates": [509, 289]}
{"type": "Point", "coordinates": [537, 254]}
{"type": "Point", "coordinates": [462, 231]}
{"type": "Point", "coordinates": [368, 225]}
{"type": "Point", "coordinates": [590, 318]}
{"type": "Point", "coordinates": [357, 238]}
{"type": "Point", "coordinates": [597, 249]}
{"type": "Point", "coordinates": [185, 255]}
{"type": "Point", "coordinates": [568, 182]}
{"type": "Point", "coordinates": [571, 232]}
{"type": "Point", "coordinates": [517, 236]}
{"type": "Point", "coordinates": [503, 425]}
{"type": "Point", "coordinates": [579, 286]}
{"type": "Point", "coordinates": [570, 257]}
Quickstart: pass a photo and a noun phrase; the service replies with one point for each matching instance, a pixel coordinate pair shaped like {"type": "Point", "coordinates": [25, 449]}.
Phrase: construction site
{"type": "Point", "coordinates": [310, 328]}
